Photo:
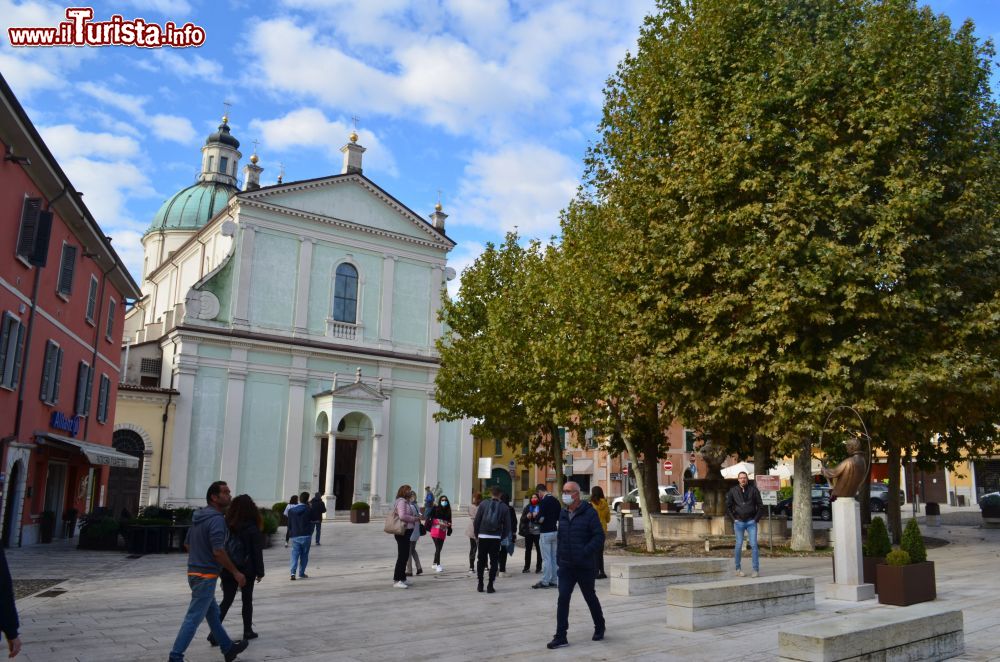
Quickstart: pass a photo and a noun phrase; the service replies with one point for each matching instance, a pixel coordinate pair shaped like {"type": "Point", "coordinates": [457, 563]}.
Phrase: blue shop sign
{"type": "Point", "coordinates": [69, 424]}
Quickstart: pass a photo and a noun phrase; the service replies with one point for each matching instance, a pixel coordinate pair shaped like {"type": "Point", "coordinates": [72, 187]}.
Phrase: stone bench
{"type": "Point", "coordinates": [643, 578]}
{"type": "Point", "coordinates": [713, 604]}
{"type": "Point", "coordinates": [920, 632]}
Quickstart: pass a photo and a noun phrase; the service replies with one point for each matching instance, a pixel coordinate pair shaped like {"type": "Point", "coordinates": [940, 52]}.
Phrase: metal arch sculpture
{"type": "Point", "coordinates": [847, 477]}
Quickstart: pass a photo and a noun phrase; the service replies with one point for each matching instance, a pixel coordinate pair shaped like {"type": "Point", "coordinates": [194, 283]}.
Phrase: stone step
{"type": "Point", "coordinates": [712, 604]}
{"type": "Point", "coordinates": [643, 577]}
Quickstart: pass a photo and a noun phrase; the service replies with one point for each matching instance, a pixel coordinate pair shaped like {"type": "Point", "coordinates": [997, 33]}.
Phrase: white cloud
{"type": "Point", "coordinates": [187, 64]}
{"type": "Point", "coordinates": [172, 127]}
{"type": "Point", "coordinates": [310, 129]}
{"type": "Point", "coordinates": [524, 186]}
{"type": "Point", "coordinates": [130, 103]}
{"type": "Point", "coordinates": [175, 9]}
{"type": "Point", "coordinates": [106, 186]}
{"type": "Point", "coordinates": [68, 142]}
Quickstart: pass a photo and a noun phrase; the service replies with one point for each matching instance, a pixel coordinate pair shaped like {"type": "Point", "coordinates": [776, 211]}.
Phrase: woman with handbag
{"type": "Point", "coordinates": [418, 531]}
{"type": "Point", "coordinates": [439, 523]}
{"type": "Point", "coordinates": [245, 548]}
{"type": "Point", "coordinates": [470, 531]}
{"type": "Point", "coordinates": [531, 531]}
{"type": "Point", "coordinates": [400, 522]}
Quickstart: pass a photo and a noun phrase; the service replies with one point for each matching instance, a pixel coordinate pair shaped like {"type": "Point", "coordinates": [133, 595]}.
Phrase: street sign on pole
{"type": "Point", "coordinates": [768, 486]}
{"type": "Point", "coordinates": [668, 465]}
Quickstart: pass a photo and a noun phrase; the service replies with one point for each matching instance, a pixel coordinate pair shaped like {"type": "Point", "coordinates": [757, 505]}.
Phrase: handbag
{"type": "Point", "coordinates": [393, 524]}
{"type": "Point", "coordinates": [423, 529]}
{"type": "Point", "coordinates": [507, 544]}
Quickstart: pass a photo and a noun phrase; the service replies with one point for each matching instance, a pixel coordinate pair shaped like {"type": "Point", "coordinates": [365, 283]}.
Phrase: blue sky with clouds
{"type": "Point", "coordinates": [493, 103]}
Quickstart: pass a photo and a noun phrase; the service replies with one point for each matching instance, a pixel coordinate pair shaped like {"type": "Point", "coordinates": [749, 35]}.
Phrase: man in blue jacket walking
{"type": "Point", "coordinates": [580, 536]}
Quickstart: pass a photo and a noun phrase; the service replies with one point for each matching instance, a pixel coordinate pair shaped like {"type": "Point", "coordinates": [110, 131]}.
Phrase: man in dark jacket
{"type": "Point", "coordinates": [580, 536]}
{"type": "Point", "coordinates": [8, 612]}
{"type": "Point", "coordinates": [548, 518]}
{"type": "Point", "coordinates": [206, 545]}
{"type": "Point", "coordinates": [492, 524]}
{"type": "Point", "coordinates": [316, 511]}
{"type": "Point", "coordinates": [300, 532]}
{"type": "Point", "coordinates": [743, 504]}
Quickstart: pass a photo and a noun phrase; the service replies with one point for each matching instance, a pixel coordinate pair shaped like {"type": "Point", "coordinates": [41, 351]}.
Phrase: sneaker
{"type": "Point", "coordinates": [250, 635]}
{"type": "Point", "coordinates": [755, 574]}
{"type": "Point", "coordinates": [472, 571]}
{"type": "Point", "coordinates": [540, 585]}
{"type": "Point", "coordinates": [237, 648]}
{"type": "Point", "coordinates": [490, 589]}
{"type": "Point", "coordinates": [401, 585]}
{"type": "Point", "coordinates": [317, 543]}
{"type": "Point", "coordinates": [502, 574]}
{"type": "Point", "coordinates": [557, 642]}
{"type": "Point", "coordinates": [739, 573]}
{"type": "Point", "coordinates": [598, 635]}
{"type": "Point", "coordinates": [303, 576]}
{"type": "Point", "coordinates": [479, 587]}
{"type": "Point", "coordinates": [292, 578]}
{"type": "Point", "coordinates": [286, 545]}
{"type": "Point", "coordinates": [439, 568]}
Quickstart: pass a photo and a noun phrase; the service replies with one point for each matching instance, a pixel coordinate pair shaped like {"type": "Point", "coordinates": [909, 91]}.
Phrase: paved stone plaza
{"type": "Point", "coordinates": [115, 608]}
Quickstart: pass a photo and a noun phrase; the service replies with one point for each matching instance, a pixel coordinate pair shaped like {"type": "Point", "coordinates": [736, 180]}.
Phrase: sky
{"type": "Point", "coordinates": [488, 106]}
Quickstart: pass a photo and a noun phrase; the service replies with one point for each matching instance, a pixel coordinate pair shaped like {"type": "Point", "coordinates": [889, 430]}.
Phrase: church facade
{"type": "Point", "coordinates": [296, 323]}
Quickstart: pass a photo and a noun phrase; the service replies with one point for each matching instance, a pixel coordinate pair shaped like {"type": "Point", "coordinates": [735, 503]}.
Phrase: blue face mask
{"type": "Point", "coordinates": [444, 503]}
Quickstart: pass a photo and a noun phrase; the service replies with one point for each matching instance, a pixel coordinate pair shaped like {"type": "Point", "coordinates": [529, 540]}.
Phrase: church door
{"type": "Point", "coordinates": [123, 483]}
{"type": "Point", "coordinates": [343, 472]}
{"type": "Point", "coordinates": [499, 477]}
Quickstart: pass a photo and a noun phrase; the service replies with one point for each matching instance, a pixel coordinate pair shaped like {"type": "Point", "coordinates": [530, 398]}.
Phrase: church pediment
{"type": "Point", "coordinates": [351, 201]}
{"type": "Point", "coordinates": [355, 391]}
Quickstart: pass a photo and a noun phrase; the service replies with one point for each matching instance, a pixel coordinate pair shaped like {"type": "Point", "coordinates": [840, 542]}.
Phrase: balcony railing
{"type": "Point", "coordinates": [342, 330]}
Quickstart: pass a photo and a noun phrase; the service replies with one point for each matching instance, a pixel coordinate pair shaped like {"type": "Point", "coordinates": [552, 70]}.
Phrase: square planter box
{"type": "Point", "coordinates": [869, 566]}
{"type": "Point", "coordinates": [360, 516]}
{"type": "Point", "coordinates": [906, 584]}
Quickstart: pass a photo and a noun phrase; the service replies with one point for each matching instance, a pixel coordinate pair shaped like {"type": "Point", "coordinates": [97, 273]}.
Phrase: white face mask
{"type": "Point", "coordinates": [444, 503]}
{"type": "Point", "coordinates": [567, 499]}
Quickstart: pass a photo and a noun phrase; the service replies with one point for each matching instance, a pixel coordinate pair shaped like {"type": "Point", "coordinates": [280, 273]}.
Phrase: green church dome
{"type": "Point", "coordinates": [193, 207]}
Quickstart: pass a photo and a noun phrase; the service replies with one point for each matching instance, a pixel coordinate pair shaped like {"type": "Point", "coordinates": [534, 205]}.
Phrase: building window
{"type": "Point", "coordinates": [84, 388]}
{"type": "Point", "coordinates": [224, 165]}
{"type": "Point", "coordinates": [102, 399]}
{"type": "Point", "coordinates": [26, 238]}
{"type": "Point", "coordinates": [11, 350]}
{"type": "Point", "coordinates": [92, 299]}
{"type": "Point", "coordinates": [51, 373]}
{"type": "Point", "coordinates": [210, 162]}
{"type": "Point", "coordinates": [67, 267]}
{"type": "Point", "coordinates": [525, 480]}
{"type": "Point", "coordinates": [112, 304]}
{"type": "Point", "coordinates": [498, 447]}
{"type": "Point", "coordinates": [345, 294]}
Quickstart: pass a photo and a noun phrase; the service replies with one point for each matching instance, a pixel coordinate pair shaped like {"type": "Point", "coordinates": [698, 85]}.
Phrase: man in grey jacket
{"type": "Point", "coordinates": [207, 556]}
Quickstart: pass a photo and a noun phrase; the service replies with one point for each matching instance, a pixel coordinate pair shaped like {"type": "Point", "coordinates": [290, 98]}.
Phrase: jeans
{"type": "Point", "coordinates": [317, 525]}
{"type": "Point", "coordinates": [529, 542]}
{"type": "Point", "coordinates": [489, 548]}
{"type": "Point", "coordinates": [751, 530]}
{"type": "Point", "coordinates": [402, 554]}
{"type": "Point", "coordinates": [300, 554]}
{"type": "Point", "coordinates": [203, 607]}
{"type": "Point", "coordinates": [229, 589]}
{"type": "Point", "coordinates": [568, 578]}
{"type": "Point", "coordinates": [547, 541]}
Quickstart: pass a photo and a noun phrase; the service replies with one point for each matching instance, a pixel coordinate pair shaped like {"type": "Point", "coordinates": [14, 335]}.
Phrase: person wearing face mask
{"type": "Point", "coordinates": [439, 524]}
{"type": "Point", "coordinates": [530, 530]}
{"type": "Point", "coordinates": [580, 536]}
{"type": "Point", "coordinates": [418, 530]}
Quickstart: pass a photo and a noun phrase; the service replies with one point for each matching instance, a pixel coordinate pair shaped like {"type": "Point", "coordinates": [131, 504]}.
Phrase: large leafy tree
{"type": "Point", "coordinates": [806, 196]}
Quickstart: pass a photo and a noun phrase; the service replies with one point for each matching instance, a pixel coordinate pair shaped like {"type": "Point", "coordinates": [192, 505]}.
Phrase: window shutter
{"type": "Point", "coordinates": [46, 372]}
{"type": "Point", "coordinates": [18, 355]}
{"type": "Point", "coordinates": [102, 400]}
{"type": "Point", "coordinates": [88, 391]}
{"type": "Point", "coordinates": [111, 318]}
{"type": "Point", "coordinates": [79, 407]}
{"type": "Point", "coordinates": [5, 337]}
{"type": "Point", "coordinates": [29, 226]}
{"type": "Point", "coordinates": [92, 299]}
{"type": "Point", "coordinates": [58, 376]}
{"type": "Point", "coordinates": [67, 266]}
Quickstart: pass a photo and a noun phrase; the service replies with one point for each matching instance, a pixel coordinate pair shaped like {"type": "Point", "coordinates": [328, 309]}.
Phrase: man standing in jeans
{"type": "Point", "coordinates": [207, 556]}
{"type": "Point", "coordinates": [743, 504]}
{"type": "Point", "coordinates": [548, 518]}
{"type": "Point", "coordinates": [300, 534]}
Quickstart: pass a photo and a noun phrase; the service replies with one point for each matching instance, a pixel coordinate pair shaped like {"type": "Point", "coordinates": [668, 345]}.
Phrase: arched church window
{"type": "Point", "coordinates": [345, 294]}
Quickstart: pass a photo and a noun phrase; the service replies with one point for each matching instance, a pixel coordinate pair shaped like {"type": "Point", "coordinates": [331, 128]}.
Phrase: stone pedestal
{"type": "Point", "coordinates": [848, 573]}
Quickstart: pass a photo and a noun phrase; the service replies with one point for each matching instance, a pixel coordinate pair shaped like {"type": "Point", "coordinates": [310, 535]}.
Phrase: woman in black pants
{"type": "Point", "coordinates": [246, 550]}
{"type": "Point", "coordinates": [531, 531]}
{"type": "Point", "coordinates": [439, 524]}
{"type": "Point", "coordinates": [402, 507]}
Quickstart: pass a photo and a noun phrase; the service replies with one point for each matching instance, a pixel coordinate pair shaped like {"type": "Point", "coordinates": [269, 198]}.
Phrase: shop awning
{"type": "Point", "coordinates": [96, 454]}
{"type": "Point", "coordinates": [582, 466]}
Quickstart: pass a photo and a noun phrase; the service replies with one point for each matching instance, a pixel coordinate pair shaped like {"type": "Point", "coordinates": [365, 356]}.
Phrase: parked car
{"type": "Point", "coordinates": [879, 493]}
{"type": "Point", "coordinates": [669, 495]}
{"type": "Point", "coordinates": [820, 504]}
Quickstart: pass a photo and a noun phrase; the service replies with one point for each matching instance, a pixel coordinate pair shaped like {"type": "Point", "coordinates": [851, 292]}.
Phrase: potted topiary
{"type": "Point", "coordinates": [99, 532]}
{"type": "Point", "coordinates": [279, 509]}
{"type": "Point", "coordinates": [360, 512]}
{"type": "Point", "coordinates": [990, 507]}
{"type": "Point", "coordinates": [874, 551]}
{"type": "Point", "coordinates": [907, 578]}
{"type": "Point", "coordinates": [631, 503]}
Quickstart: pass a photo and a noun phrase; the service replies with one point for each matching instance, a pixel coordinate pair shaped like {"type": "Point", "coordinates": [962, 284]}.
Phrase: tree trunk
{"type": "Point", "coordinates": [892, 512]}
{"type": "Point", "coordinates": [557, 459]}
{"type": "Point", "coordinates": [650, 473]}
{"type": "Point", "coordinates": [640, 479]}
{"type": "Point", "coordinates": [865, 494]}
{"type": "Point", "coordinates": [761, 455]}
{"type": "Point", "coordinates": [802, 531]}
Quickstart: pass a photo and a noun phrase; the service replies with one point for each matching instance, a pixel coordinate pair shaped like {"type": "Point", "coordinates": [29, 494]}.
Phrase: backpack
{"type": "Point", "coordinates": [491, 518]}
{"type": "Point", "coordinates": [237, 551]}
